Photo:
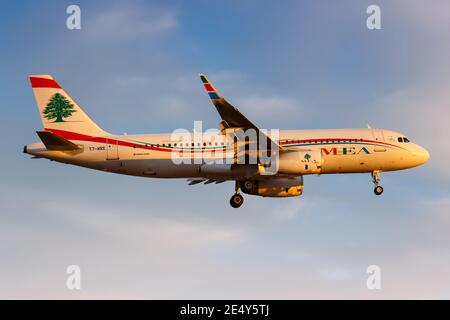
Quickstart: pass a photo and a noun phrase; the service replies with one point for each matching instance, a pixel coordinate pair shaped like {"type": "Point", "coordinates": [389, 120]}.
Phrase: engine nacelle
{"type": "Point", "coordinates": [274, 187]}
{"type": "Point", "coordinates": [300, 162]}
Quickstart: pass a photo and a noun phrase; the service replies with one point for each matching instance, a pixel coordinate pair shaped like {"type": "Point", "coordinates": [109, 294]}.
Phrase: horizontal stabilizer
{"type": "Point", "coordinates": [55, 142]}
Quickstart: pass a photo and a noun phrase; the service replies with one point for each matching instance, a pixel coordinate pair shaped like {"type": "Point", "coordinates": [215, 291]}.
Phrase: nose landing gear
{"type": "Point", "coordinates": [378, 190]}
{"type": "Point", "coordinates": [376, 180]}
{"type": "Point", "coordinates": [237, 199]}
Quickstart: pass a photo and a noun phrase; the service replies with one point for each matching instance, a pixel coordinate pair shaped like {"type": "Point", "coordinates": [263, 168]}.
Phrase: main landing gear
{"type": "Point", "coordinates": [237, 199]}
{"type": "Point", "coordinates": [376, 180]}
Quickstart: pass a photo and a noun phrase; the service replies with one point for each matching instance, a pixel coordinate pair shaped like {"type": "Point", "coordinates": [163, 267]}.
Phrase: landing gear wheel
{"type": "Point", "coordinates": [378, 190]}
{"type": "Point", "coordinates": [376, 181]}
{"type": "Point", "coordinates": [236, 200]}
{"type": "Point", "coordinates": [248, 185]}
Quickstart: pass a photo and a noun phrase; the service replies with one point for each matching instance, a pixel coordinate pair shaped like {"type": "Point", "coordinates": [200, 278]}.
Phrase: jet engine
{"type": "Point", "coordinates": [274, 187]}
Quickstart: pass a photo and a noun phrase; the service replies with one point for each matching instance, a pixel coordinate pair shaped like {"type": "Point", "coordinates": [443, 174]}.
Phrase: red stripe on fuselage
{"type": "Point", "coordinates": [335, 140]}
{"type": "Point", "coordinates": [82, 137]}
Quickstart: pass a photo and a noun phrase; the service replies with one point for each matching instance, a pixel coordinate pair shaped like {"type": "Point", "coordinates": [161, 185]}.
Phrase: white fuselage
{"type": "Point", "coordinates": [151, 155]}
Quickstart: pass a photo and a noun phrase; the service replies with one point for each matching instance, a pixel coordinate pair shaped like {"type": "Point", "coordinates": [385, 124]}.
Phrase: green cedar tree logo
{"type": "Point", "coordinates": [307, 156]}
{"type": "Point", "coordinates": [58, 108]}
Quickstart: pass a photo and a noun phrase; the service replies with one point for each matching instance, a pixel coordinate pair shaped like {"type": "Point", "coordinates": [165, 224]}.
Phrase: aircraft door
{"type": "Point", "coordinates": [378, 135]}
{"type": "Point", "coordinates": [112, 149]}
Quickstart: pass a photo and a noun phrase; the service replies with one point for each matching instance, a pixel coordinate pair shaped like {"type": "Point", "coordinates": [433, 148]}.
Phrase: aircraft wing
{"type": "Point", "coordinates": [231, 116]}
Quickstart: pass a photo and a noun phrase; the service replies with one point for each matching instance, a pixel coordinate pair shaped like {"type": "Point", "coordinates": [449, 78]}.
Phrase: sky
{"type": "Point", "coordinates": [133, 67]}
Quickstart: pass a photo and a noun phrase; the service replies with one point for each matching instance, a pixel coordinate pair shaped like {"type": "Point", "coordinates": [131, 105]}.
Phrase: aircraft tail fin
{"type": "Point", "coordinates": [58, 110]}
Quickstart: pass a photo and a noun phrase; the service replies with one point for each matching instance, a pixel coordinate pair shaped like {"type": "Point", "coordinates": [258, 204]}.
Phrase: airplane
{"type": "Point", "coordinates": [71, 137]}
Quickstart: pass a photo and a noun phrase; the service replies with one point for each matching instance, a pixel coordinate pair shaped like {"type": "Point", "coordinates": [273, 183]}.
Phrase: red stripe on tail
{"type": "Point", "coordinates": [44, 83]}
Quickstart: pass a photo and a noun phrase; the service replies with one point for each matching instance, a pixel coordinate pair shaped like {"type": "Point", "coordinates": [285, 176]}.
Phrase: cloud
{"type": "Point", "coordinates": [336, 274]}
{"type": "Point", "coordinates": [185, 98]}
{"type": "Point", "coordinates": [130, 21]}
{"type": "Point", "coordinates": [421, 111]}
{"type": "Point", "coordinates": [269, 105]}
{"type": "Point", "coordinates": [157, 232]}
{"type": "Point", "coordinates": [133, 81]}
{"type": "Point", "coordinates": [133, 224]}
{"type": "Point", "coordinates": [419, 15]}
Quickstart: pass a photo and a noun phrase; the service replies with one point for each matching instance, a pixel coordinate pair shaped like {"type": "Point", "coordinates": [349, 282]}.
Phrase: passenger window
{"type": "Point", "coordinates": [400, 139]}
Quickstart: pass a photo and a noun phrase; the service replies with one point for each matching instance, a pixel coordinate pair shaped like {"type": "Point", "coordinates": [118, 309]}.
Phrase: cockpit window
{"type": "Point", "coordinates": [403, 139]}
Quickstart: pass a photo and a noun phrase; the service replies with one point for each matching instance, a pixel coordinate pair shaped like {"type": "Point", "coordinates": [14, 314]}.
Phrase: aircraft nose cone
{"type": "Point", "coordinates": [422, 155]}
{"type": "Point", "coordinates": [425, 156]}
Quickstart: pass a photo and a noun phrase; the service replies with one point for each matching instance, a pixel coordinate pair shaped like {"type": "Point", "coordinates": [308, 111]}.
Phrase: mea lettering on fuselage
{"type": "Point", "coordinates": [342, 151]}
